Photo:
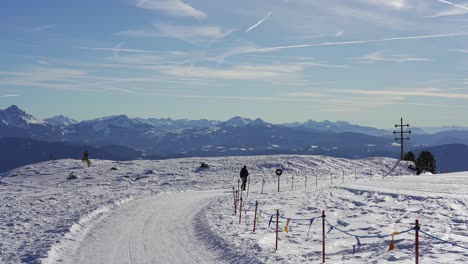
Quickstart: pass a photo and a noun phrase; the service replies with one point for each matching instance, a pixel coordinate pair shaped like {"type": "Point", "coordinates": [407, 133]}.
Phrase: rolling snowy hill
{"type": "Point", "coordinates": [46, 218]}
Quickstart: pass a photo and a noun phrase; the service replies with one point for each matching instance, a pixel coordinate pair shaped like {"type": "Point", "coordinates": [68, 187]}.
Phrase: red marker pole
{"type": "Point", "coordinates": [277, 220]}
{"type": "Point", "coordinates": [417, 241]}
{"type": "Point", "coordinates": [323, 236]}
{"type": "Point", "coordinates": [255, 217]}
{"type": "Point", "coordinates": [240, 210]}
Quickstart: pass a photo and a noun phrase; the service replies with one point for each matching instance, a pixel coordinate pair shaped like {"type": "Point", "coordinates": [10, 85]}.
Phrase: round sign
{"type": "Point", "coordinates": [279, 172]}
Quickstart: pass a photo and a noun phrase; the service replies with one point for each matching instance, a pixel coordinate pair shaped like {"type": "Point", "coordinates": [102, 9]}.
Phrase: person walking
{"type": "Point", "coordinates": [244, 173]}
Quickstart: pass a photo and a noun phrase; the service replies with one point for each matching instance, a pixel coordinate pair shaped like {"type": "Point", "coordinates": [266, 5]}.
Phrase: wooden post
{"type": "Point", "coordinates": [278, 182]}
{"type": "Point", "coordinates": [238, 187]}
{"type": "Point", "coordinates": [235, 203]}
{"type": "Point", "coordinates": [263, 183]}
{"type": "Point", "coordinates": [277, 220]}
{"type": "Point", "coordinates": [255, 216]}
{"type": "Point", "coordinates": [323, 236]}
{"type": "Point", "coordinates": [292, 183]}
{"type": "Point", "coordinates": [417, 241]}
{"type": "Point", "coordinates": [240, 210]}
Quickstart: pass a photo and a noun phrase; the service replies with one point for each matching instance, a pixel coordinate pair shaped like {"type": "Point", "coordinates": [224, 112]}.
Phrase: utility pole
{"type": "Point", "coordinates": [401, 132]}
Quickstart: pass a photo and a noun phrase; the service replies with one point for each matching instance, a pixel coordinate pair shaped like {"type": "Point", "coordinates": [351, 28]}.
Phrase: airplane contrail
{"type": "Point", "coordinates": [270, 49]}
{"type": "Point", "coordinates": [450, 3]}
{"type": "Point", "coordinates": [116, 49]}
{"type": "Point", "coordinates": [259, 22]}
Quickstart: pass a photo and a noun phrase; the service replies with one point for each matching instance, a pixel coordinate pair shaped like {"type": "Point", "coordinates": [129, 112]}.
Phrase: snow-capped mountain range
{"type": "Point", "coordinates": [165, 138]}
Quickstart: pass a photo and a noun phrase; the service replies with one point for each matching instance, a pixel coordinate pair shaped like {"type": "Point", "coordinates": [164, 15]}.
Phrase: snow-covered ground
{"type": "Point", "coordinates": [103, 215]}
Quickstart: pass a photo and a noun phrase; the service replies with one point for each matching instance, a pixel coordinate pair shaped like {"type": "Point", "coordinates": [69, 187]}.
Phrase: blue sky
{"type": "Point", "coordinates": [364, 61]}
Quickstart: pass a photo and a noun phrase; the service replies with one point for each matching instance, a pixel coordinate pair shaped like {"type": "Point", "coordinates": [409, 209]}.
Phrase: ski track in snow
{"type": "Point", "coordinates": [158, 229]}
{"type": "Point", "coordinates": [161, 211]}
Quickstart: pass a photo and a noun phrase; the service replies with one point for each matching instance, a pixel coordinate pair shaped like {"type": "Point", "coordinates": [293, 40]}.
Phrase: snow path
{"type": "Point", "coordinates": [158, 229]}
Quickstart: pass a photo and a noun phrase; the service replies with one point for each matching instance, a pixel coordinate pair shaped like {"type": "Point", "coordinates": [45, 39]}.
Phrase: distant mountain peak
{"type": "Point", "coordinates": [105, 123]}
{"type": "Point", "coordinates": [15, 117]}
{"type": "Point", "coordinates": [237, 121]}
{"type": "Point", "coordinates": [13, 108]}
{"type": "Point", "coordinates": [60, 120]}
{"type": "Point", "coordinates": [259, 122]}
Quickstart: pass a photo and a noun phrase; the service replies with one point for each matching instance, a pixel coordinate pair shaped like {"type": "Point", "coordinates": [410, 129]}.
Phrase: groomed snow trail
{"type": "Point", "coordinates": [158, 229]}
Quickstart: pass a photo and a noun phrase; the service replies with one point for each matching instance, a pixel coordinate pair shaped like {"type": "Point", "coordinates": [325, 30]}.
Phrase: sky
{"type": "Point", "coordinates": [368, 62]}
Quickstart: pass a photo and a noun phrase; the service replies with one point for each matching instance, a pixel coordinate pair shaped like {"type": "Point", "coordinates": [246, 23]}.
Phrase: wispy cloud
{"type": "Point", "coordinates": [8, 95]}
{"type": "Point", "coordinates": [456, 9]}
{"type": "Point", "coordinates": [244, 72]}
{"type": "Point", "coordinates": [190, 34]}
{"type": "Point", "coordinates": [138, 59]}
{"type": "Point", "coordinates": [272, 49]}
{"type": "Point", "coordinates": [171, 7]}
{"type": "Point", "coordinates": [219, 37]}
{"type": "Point", "coordinates": [118, 48]}
{"type": "Point", "coordinates": [414, 92]}
{"type": "Point", "coordinates": [57, 78]}
{"type": "Point", "coordinates": [222, 97]}
{"type": "Point", "coordinates": [453, 4]}
{"type": "Point", "coordinates": [301, 83]}
{"type": "Point", "coordinates": [319, 64]}
{"type": "Point", "coordinates": [380, 18]}
{"type": "Point", "coordinates": [339, 33]}
{"type": "Point", "coordinates": [12, 73]}
{"type": "Point", "coordinates": [259, 22]}
{"type": "Point", "coordinates": [41, 28]}
{"type": "Point", "coordinates": [394, 4]}
{"type": "Point", "coordinates": [375, 57]}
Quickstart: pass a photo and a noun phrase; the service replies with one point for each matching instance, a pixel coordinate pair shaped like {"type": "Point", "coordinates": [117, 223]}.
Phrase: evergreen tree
{"type": "Point", "coordinates": [409, 156]}
{"type": "Point", "coordinates": [86, 157]}
{"type": "Point", "coordinates": [426, 162]}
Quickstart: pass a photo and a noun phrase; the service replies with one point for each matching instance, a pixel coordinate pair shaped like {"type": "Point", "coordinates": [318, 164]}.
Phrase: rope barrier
{"type": "Point", "coordinates": [442, 240]}
{"type": "Point", "coordinates": [357, 237]}
{"type": "Point", "coordinates": [367, 236]}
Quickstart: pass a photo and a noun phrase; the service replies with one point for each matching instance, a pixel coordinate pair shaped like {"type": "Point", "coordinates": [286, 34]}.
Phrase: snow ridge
{"type": "Point", "coordinates": [226, 251]}
{"type": "Point", "coordinates": [79, 230]}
